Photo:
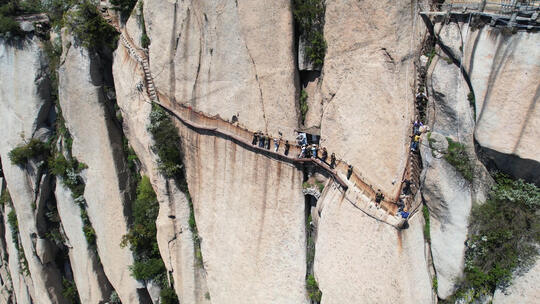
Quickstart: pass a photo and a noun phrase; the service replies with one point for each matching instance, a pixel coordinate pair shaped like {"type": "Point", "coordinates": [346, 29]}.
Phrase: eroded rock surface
{"type": "Point", "coordinates": [366, 86]}
{"type": "Point", "coordinates": [227, 58]}
{"type": "Point", "coordinates": [361, 260]}
{"type": "Point", "coordinates": [504, 70]}
{"type": "Point", "coordinates": [524, 289]}
{"type": "Point", "coordinates": [249, 210]}
{"type": "Point", "coordinates": [97, 143]}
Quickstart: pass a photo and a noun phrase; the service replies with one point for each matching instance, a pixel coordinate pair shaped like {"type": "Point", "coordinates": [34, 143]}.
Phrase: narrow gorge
{"type": "Point", "coordinates": [303, 151]}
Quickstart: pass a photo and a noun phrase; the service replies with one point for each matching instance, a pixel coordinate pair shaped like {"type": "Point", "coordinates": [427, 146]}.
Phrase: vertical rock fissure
{"type": "Point", "coordinates": [312, 287]}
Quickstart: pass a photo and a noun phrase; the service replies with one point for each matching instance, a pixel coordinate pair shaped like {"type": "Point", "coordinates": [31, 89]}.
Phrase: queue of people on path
{"type": "Point", "coordinates": [418, 129]}
{"type": "Point", "coordinates": [306, 151]}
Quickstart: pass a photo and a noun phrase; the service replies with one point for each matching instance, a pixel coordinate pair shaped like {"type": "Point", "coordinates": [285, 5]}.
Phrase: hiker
{"type": "Point", "coordinates": [261, 140]}
{"type": "Point", "coordinates": [267, 143]}
{"type": "Point", "coordinates": [407, 187]}
{"type": "Point", "coordinates": [314, 151]}
{"type": "Point", "coordinates": [139, 86]}
{"type": "Point", "coordinates": [255, 138]}
{"type": "Point", "coordinates": [324, 155]}
{"type": "Point", "coordinates": [416, 126]}
{"type": "Point", "coordinates": [404, 214]}
{"type": "Point", "coordinates": [414, 144]}
{"type": "Point", "coordinates": [302, 139]}
{"type": "Point", "coordinates": [379, 197]}
{"type": "Point", "coordinates": [349, 172]}
{"type": "Point", "coordinates": [276, 144]}
{"type": "Point", "coordinates": [287, 146]}
{"type": "Point", "coordinates": [302, 152]}
{"type": "Point", "coordinates": [401, 205]}
{"type": "Point", "coordinates": [333, 160]}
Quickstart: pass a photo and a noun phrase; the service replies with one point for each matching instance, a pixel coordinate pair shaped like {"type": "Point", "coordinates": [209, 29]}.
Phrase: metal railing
{"type": "Point", "coordinates": [503, 7]}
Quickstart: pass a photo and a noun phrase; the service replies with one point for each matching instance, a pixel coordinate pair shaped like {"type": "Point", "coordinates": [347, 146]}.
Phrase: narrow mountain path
{"type": "Point", "coordinates": [355, 189]}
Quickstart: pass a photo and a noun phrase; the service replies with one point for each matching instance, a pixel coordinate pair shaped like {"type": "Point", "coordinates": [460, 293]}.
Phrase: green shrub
{"type": "Point", "coordinates": [142, 241]}
{"type": "Point", "coordinates": [503, 240]}
{"type": "Point", "coordinates": [9, 25]}
{"type": "Point", "coordinates": [21, 154]}
{"type": "Point", "coordinates": [145, 40]}
{"type": "Point", "coordinates": [320, 186]}
{"type": "Point", "coordinates": [168, 296]}
{"type": "Point", "coordinates": [114, 298]}
{"type": "Point", "coordinates": [124, 7]}
{"type": "Point", "coordinates": [313, 289]}
{"type": "Point", "coordinates": [303, 105]}
{"type": "Point", "coordinates": [457, 157]}
{"type": "Point", "coordinates": [147, 269]}
{"type": "Point", "coordinates": [207, 295]}
{"type": "Point", "coordinates": [435, 283]}
{"type": "Point", "coordinates": [427, 233]}
{"type": "Point", "coordinates": [69, 291]}
{"type": "Point", "coordinates": [89, 27]}
{"type": "Point", "coordinates": [5, 197]}
{"type": "Point", "coordinates": [167, 144]}
{"type": "Point", "coordinates": [14, 227]}
{"type": "Point", "coordinates": [309, 16]}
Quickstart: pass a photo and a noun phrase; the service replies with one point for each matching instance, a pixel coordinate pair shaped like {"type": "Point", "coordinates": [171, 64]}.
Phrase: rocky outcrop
{"type": "Point", "coordinates": [524, 288]}
{"type": "Point", "coordinates": [25, 108]}
{"type": "Point", "coordinates": [92, 284]}
{"type": "Point", "coordinates": [504, 69]}
{"type": "Point", "coordinates": [448, 197]}
{"type": "Point", "coordinates": [361, 260]}
{"type": "Point", "coordinates": [216, 56]}
{"type": "Point", "coordinates": [97, 143]}
{"type": "Point", "coordinates": [174, 236]}
{"type": "Point", "coordinates": [367, 101]}
{"type": "Point", "coordinates": [249, 242]}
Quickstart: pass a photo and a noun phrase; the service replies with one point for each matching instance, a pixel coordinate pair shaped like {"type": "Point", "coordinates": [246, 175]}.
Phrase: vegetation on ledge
{"type": "Point", "coordinates": [23, 153]}
{"type": "Point", "coordinates": [9, 9]}
{"type": "Point", "coordinates": [504, 238]}
{"type": "Point", "coordinates": [309, 17]}
{"type": "Point", "coordinates": [142, 241]}
{"type": "Point", "coordinates": [457, 157]}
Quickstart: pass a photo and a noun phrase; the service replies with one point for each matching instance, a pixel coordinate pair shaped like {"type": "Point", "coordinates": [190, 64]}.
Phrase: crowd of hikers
{"type": "Point", "coordinates": [313, 151]}
{"type": "Point", "coordinates": [306, 150]}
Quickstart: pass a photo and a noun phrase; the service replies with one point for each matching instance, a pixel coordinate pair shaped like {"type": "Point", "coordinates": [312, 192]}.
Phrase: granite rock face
{"type": "Point", "coordinates": [366, 95]}
{"type": "Point", "coordinates": [227, 58]}
{"type": "Point", "coordinates": [361, 260]}
{"type": "Point", "coordinates": [97, 143]}
{"type": "Point", "coordinates": [504, 71]}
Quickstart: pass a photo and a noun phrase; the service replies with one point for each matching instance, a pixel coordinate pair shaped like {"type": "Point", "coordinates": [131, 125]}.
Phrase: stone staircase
{"type": "Point", "coordinates": [356, 191]}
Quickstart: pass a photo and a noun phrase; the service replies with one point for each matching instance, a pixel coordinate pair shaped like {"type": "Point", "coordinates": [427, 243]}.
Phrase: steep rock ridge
{"type": "Point", "coordinates": [174, 237]}
{"type": "Point", "coordinates": [504, 71]}
{"type": "Point", "coordinates": [6, 287]}
{"type": "Point", "coordinates": [448, 197]}
{"type": "Point", "coordinates": [361, 260]}
{"type": "Point", "coordinates": [22, 285]}
{"type": "Point", "coordinates": [92, 284]}
{"type": "Point", "coordinates": [216, 56]}
{"type": "Point", "coordinates": [253, 244]}
{"type": "Point", "coordinates": [97, 143]}
{"type": "Point", "coordinates": [25, 109]}
{"type": "Point", "coordinates": [366, 87]}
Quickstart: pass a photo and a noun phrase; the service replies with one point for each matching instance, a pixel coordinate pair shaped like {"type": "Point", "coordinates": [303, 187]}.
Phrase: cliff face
{"type": "Point", "coordinates": [239, 229]}
{"type": "Point", "coordinates": [227, 58]}
{"type": "Point", "coordinates": [366, 91]}
{"type": "Point", "coordinates": [23, 79]}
